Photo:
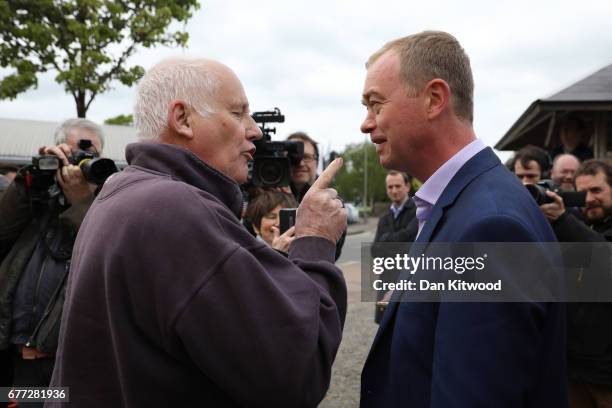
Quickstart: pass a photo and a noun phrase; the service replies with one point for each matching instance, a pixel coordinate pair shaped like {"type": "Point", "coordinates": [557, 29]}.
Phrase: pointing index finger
{"type": "Point", "coordinates": [328, 175]}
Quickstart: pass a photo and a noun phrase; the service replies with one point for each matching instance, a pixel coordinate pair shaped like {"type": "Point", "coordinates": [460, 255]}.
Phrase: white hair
{"type": "Point", "coordinates": [184, 79]}
{"type": "Point", "coordinates": [78, 123]}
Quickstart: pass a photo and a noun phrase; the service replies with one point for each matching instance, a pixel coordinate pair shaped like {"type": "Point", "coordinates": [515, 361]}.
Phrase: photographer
{"type": "Point", "coordinates": [531, 164]}
{"type": "Point", "coordinates": [40, 234]}
{"type": "Point", "coordinates": [304, 173]}
{"type": "Point", "coordinates": [595, 178]}
{"type": "Point", "coordinates": [589, 333]}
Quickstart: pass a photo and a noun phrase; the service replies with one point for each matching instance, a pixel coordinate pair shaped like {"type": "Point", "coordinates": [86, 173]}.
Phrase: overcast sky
{"type": "Point", "coordinates": [307, 57]}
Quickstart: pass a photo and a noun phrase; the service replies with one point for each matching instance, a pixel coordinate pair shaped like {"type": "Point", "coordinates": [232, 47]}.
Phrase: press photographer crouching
{"type": "Point", "coordinates": [40, 214]}
{"type": "Point", "coordinates": [589, 331]}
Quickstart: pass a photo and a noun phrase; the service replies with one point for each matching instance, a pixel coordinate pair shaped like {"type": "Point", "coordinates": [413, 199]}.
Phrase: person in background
{"type": "Point", "coordinates": [399, 224]}
{"type": "Point", "coordinates": [41, 235]}
{"type": "Point", "coordinates": [263, 214]}
{"type": "Point", "coordinates": [305, 173]}
{"type": "Point", "coordinates": [572, 138]}
{"type": "Point", "coordinates": [563, 169]}
{"type": "Point", "coordinates": [531, 164]}
{"type": "Point", "coordinates": [589, 329]}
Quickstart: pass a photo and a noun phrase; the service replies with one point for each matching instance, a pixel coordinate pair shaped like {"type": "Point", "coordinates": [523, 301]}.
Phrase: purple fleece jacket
{"type": "Point", "coordinates": [171, 302]}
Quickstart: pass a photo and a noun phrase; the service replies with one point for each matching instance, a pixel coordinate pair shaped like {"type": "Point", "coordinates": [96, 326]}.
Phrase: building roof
{"type": "Point", "coordinates": [539, 121]}
{"type": "Point", "coordinates": [20, 140]}
{"type": "Point", "coordinates": [594, 88]}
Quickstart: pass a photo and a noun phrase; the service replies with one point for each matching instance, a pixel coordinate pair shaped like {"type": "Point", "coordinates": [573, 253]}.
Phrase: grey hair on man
{"type": "Point", "coordinates": [78, 123]}
{"type": "Point", "coordinates": [171, 79]}
{"type": "Point", "coordinates": [434, 54]}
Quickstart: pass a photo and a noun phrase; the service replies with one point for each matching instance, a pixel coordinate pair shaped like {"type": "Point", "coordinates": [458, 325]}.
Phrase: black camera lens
{"type": "Point", "coordinates": [270, 173]}
{"type": "Point", "coordinates": [538, 193]}
{"type": "Point", "coordinates": [97, 170]}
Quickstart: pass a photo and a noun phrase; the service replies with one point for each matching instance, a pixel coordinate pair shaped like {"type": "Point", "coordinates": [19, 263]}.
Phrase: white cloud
{"type": "Point", "coordinates": [306, 57]}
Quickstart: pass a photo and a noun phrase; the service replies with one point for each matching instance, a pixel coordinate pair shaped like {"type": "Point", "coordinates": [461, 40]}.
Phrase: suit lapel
{"type": "Point", "coordinates": [481, 162]}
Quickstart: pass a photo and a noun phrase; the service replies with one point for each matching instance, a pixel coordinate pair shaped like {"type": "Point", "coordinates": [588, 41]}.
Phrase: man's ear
{"type": "Point", "coordinates": [437, 97]}
{"type": "Point", "coordinates": [179, 119]}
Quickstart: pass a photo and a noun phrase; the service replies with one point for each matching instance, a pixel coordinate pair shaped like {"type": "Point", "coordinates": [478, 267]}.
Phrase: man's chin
{"type": "Point", "coordinates": [300, 179]}
{"type": "Point", "coordinates": [594, 215]}
{"type": "Point", "coordinates": [388, 163]}
{"type": "Point", "coordinates": [240, 177]}
{"type": "Point", "coordinates": [384, 161]}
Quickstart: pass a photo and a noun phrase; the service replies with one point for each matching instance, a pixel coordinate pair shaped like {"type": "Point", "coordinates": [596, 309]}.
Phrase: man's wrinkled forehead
{"type": "Point", "coordinates": [231, 92]}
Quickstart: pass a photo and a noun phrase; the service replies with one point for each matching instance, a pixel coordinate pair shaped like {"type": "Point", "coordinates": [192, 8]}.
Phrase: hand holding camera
{"type": "Point", "coordinates": [75, 171]}
{"type": "Point", "coordinates": [553, 210]}
{"type": "Point", "coordinates": [69, 177]}
{"type": "Point", "coordinates": [321, 212]}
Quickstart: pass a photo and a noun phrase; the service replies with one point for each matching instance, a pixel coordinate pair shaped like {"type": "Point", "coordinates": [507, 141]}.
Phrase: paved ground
{"type": "Point", "coordinates": [359, 329]}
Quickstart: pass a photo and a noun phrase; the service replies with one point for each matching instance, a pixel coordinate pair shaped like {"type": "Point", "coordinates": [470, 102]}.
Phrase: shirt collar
{"type": "Point", "coordinates": [401, 206]}
{"type": "Point", "coordinates": [432, 189]}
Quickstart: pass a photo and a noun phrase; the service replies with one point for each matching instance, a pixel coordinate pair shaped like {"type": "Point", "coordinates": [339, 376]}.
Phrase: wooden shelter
{"type": "Point", "coordinates": [589, 99]}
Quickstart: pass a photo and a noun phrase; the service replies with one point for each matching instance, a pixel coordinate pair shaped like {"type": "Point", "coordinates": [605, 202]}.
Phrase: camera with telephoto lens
{"type": "Point", "coordinates": [40, 175]}
{"type": "Point", "coordinates": [570, 198]}
{"type": "Point", "coordinates": [273, 160]}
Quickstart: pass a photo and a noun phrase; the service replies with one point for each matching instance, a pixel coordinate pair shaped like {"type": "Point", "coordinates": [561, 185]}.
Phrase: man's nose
{"type": "Point", "coordinates": [368, 124]}
{"type": "Point", "coordinates": [590, 198]}
{"type": "Point", "coordinates": [253, 131]}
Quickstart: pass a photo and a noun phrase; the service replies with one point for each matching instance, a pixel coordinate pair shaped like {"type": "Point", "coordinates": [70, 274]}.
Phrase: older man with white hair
{"type": "Point", "coordinates": [171, 301]}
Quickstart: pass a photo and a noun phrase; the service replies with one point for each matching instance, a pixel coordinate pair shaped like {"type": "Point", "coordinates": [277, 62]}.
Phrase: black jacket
{"type": "Point", "coordinates": [21, 230]}
{"type": "Point", "coordinates": [401, 229]}
{"type": "Point", "coordinates": [589, 324]}
{"type": "Point", "coordinates": [404, 228]}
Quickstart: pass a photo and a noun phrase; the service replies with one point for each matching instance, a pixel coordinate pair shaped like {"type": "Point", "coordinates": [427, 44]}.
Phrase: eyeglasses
{"type": "Point", "coordinates": [309, 158]}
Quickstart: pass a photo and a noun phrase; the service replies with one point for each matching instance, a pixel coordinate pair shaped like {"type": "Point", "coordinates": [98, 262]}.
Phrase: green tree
{"type": "Point", "coordinates": [87, 42]}
{"type": "Point", "coordinates": [350, 179]}
{"type": "Point", "coordinates": [122, 120]}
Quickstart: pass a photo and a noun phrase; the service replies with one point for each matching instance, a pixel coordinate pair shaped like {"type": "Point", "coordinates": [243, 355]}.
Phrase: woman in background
{"type": "Point", "coordinates": [263, 213]}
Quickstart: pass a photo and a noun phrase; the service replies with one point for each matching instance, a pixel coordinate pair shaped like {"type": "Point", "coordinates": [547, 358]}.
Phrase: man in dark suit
{"type": "Point", "coordinates": [399, 224]}
{"type": "Point", "coordinates": [418, 93]}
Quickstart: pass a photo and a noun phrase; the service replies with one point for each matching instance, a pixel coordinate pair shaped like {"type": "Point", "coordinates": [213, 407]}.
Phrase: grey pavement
{"type": "Point", "coordinates": [359, 328]}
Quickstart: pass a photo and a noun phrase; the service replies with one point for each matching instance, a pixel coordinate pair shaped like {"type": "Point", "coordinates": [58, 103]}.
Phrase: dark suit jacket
{"type": "Point", "coordinates": [401, 229]}
{"type": "Point", "coordinates": [404, 228]}
{"type": "Point", "coordinates": [472, 355]}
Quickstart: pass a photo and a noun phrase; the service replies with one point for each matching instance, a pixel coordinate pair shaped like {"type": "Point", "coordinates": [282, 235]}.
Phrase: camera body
{"type": "Point", "coordinates": [570, 198]}
{"type": "Point", "coordinates": [40, 175]}
{"type": "Point", "coordinates": [273, 160]}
